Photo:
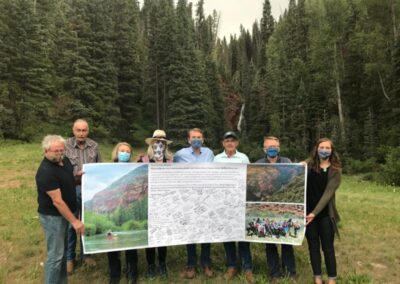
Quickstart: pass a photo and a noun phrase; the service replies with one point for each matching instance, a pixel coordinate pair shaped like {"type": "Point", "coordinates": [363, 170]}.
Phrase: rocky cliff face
{"type": "Point", "coordinates": [233, 104]}
{"type": "Point", "coordinates": [121, 193]}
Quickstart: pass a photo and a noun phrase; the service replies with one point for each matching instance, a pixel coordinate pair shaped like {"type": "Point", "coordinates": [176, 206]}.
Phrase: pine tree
{"type": "Point", "coordinates": [189, 101]}
{"type": "Point", "coordinates": [125, 39]}
{"type": "Point", "coordinates": [27, 80]}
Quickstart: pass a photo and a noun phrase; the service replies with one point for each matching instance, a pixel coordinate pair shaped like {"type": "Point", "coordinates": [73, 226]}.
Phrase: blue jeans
{"type": "Point", "coordinates": [72, 239]}
{"type": "Point", "coordinates": [205, 259]}
{"type": "Point", "coordinates": [55, 230]}
{"type": "Point", "coordinates": [244, 254]}
{"type": "Point", "coordinates": [288, 262]}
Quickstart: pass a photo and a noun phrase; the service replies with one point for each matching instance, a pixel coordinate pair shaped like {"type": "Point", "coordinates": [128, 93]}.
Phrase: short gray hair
{"type": "Point", "coordinates": [80, 120]}
{"type": "Point", "coordinates": [49, 140]}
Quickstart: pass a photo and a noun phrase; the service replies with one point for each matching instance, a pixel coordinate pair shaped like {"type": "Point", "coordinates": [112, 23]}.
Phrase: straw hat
{"type": "Point", "coordinates": [158, 135]}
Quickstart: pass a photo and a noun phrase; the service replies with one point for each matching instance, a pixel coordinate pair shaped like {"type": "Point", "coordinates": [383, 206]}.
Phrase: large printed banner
{"type": "Point", "coordinates": [132, 205]}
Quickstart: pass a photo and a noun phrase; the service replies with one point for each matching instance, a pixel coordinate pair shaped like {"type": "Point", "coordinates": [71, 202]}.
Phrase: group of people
{"type": "Point", "coordinates": [271, 228]}
{"type": "Point", "coordinates": [58, 182]}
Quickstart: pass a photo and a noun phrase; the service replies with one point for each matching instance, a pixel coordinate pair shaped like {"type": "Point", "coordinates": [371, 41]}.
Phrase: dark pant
{"type": "Point", "coordinates": [151, 255]}
{"type": "Point", "coordinates": [114, 263]}
{"type": "Point", "coordinates": [72, 238]}
{"type": "Point", "coordinates": [320, 233]}
{"type": "Point", "coordinates": [205, 259]}
{"type": "Point", "coordinates": [244, 254]}
{"type": "Point", "coordinates": [288, 262]}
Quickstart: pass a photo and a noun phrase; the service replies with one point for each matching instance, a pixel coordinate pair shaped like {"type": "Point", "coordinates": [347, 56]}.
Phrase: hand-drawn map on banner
{"type": "Point", "coordinates": [132, 205]}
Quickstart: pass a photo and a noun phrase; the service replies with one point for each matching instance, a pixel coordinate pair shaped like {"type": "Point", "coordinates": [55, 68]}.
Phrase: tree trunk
{"type": "Point", "coordinates": [383, 86]}
{"type": "Point", "coordinates": [164, 106]}
{"type": "Point", "coordinates": [394, 23]}
{"type": "Point", "coordinates": [339, 96]}
{"type": "Point", "coordinates": [157, 101]}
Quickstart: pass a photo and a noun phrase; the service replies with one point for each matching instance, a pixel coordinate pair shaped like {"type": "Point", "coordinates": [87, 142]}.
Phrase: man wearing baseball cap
{"type": "Point", "coordinates": [232, 155]}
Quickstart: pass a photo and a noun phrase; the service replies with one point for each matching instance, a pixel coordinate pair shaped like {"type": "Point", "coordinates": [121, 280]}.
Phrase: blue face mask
{"type": "Point", "coordinates": [272, 152]}
{"type": "Point", "coordinates": [123, 157]}
{"type": "Point", "coordinates": [324, 154]}
{"type": "Point", "coordinates": [196, 143]}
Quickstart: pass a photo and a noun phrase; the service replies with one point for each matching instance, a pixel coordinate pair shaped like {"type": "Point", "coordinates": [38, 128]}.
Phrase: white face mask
{"type": "Point", "coordinates": [158, 149]}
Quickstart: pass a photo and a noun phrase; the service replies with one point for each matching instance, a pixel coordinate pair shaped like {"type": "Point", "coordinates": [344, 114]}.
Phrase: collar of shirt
{"type": "Point", "coordinates": [187, 155]}
{"type": "Point", "coordinates": [225, 155]}
{"type": "Point", "coordinates": [88, 143]}
{"type": "Point", "coordinates": [238, 157]}
{"type": "Point", "coordinates": [191, 149]}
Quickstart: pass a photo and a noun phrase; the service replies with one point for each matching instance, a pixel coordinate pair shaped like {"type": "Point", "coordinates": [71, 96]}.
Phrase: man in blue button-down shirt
{"type": "Point", "coordinates": [196, 154]}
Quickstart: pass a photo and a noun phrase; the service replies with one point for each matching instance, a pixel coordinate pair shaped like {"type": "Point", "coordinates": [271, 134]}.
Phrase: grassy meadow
{"type": "Point", "coordinates": [366, 253]}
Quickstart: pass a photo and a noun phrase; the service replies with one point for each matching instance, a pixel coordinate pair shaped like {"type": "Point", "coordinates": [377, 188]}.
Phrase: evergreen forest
{"type": "Point", "coordinates": [325, 68]}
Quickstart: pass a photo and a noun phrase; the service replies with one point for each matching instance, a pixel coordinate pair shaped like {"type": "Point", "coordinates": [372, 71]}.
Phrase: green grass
{"type": "Point", "coordinates": [366, 253]}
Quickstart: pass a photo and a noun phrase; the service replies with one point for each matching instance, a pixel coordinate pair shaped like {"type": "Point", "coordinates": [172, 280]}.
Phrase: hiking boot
{"type": "Point", "coordinates": [151, 271]}
{"type": "Point", "coordinates": [163, 271]}
{"type": "Point", "coordinates": [89, 261]}
{"type": "Point", "coordinates": [250, 277]}
{"type": "Point", "coordinates": [230, 273]}
{"type": "Point", "coordinates": [131, 273]}
{"type": "Point", "coordinates": [189, 273]}
{"type": "Point", "coordinates": [208, 272]}
{"type": "Point", "coordinates": [70, 266]}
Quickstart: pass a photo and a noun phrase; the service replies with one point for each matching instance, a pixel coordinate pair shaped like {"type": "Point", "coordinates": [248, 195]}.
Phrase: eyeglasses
{"type": "Point", "coordinates": [57, 151]}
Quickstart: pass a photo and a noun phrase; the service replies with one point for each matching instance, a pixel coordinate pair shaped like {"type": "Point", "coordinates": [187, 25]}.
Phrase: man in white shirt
{"type": "Point", "coordinates": [232, 155]}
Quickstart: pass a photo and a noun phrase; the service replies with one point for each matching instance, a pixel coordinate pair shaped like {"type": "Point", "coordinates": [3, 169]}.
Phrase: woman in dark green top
{"type": "Point", "coordinates": [322, 182]}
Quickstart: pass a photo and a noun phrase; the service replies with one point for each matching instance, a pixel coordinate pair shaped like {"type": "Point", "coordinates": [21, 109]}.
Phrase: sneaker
{"type": "Point", "coordinates": [230, 273]}
{"type": "Point", "coordinates": [151, 271]}
{"type": "Point", "coordinates": [189, 273]}
{"type": "Point", "coordinates": [163, 271]}
{"type": "Point", "coordinates": [208, 272]}
{"type": "Point", "coordinates": [250, 277]}
{"type": "Point", "coordinates": [70, 266]}
{"type": "Point", "coordinates": [89, 261]}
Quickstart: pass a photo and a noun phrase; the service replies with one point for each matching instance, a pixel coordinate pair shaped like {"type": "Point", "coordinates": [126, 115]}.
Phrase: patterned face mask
{"type": "Point", "coordinates": [158, 149]}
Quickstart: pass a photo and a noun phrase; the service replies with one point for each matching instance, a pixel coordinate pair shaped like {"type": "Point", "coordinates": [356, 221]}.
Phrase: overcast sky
{"type": "Point", "coordinates": [236, 12]}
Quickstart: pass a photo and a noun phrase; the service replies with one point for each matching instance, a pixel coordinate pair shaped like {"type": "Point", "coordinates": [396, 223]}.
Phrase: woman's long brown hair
{"type": "Point", "coordinates": [313, 161]}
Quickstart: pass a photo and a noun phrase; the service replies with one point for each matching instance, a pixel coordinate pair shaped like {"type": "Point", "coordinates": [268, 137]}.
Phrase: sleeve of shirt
{"type": "Point", "coordinates": [246, 159]}
{"type": "Point", "coordinates": [211, 157]}
{"type": "Point", "coordinates": [47, 182]}
{"type": "Point", "coordinates": [176, 158]}
{"type": "Point", "coordinates": [98, 157]}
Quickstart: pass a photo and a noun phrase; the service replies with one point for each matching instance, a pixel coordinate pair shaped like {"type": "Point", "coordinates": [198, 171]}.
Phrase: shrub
{"type": "Point", "coordinates": [391, 168]}
{"type": "Point", "coordinates": [90, 229]}
{"type": "Point", "coordinates": [353, 166]}
{"type": "Point", "coordinates": [99, 222]}
{"type": "Point", "coordinates": [134, 225]}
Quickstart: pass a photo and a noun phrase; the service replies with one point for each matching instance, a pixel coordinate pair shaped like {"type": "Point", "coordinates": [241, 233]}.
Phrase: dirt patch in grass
{"type": "Point", "coordinates": [3, 259]}
{"type": "Point", "coordinates": [12, 184]}
{"type": "Point", "coordinates": [13, 179]}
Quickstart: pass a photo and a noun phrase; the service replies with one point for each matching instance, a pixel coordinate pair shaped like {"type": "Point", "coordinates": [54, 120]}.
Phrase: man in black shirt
{"type": "Point", "coordinates": [57, 200]}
